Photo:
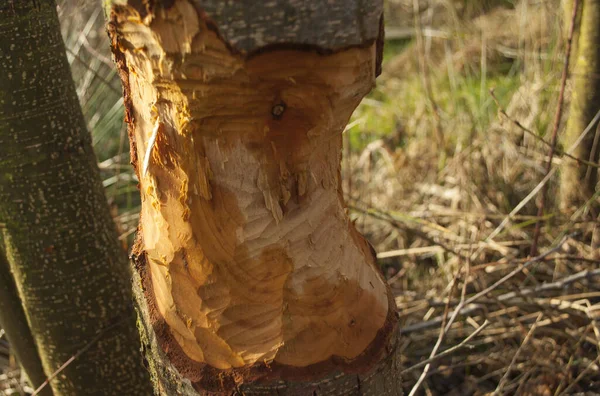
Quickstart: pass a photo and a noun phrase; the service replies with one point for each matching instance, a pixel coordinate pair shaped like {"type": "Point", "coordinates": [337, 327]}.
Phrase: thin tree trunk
{"type": "Point", "coordinates": [70, 271]}
{"type": "Point", "coordinates": [250, 278]}
{"type": "Point", "coordinates": [14, 323]}
{"type": "Point", "coordinates": [578, 181]}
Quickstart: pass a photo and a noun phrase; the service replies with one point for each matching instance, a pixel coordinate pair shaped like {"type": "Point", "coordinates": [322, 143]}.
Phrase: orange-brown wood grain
{"type": "Point", "coordinates": [250, 257]}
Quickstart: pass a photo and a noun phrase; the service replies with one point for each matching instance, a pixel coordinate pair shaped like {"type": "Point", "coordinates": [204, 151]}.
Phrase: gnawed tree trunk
{"type": "Point", "coordinates": [61, 244]}
{"type": "Point", "coordinates": [14, 323]}
{"type": "Point", "coordinates": [578, 181]}
{"type": "Point", "coordinates": [252, 279]}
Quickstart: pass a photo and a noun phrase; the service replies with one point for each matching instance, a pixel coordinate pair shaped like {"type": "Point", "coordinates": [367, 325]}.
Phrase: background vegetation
{"type": "Point", "coordinates": [441, 165]}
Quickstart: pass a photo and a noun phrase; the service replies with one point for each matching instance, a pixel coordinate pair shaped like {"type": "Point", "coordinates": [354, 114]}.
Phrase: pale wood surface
{"type": "Point", "coordinates": [251, 258]}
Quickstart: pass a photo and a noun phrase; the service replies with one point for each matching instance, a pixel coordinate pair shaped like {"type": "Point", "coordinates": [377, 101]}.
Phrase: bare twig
{"type": "Point", "coordinates": [557, 285]}
{"type": "Point", "coordinates": [468, 305]}
{"type": "Point", "coordinates": [440, 338]}
{"type": "Point", "coordinates": [502, 382]}
{"type": "Point", "coordinates": [501, 247]}
{"type": "Point", "coordinates": [540, 185]}
{"type": "Point", "coordinates": [518, 270]}
{"type": "Point", "coordinates": [439, 134]}
{"type": "Point", "coordinates": [536, 136]}
{"type": "Point", "coordinates": [580, 376]}
{"type": "Point", "coordinates": [557, 118]}
{"type": "Point", "coordinates": [445, 326]}
{"type": "Point", "coordinates": [95, 73]}
{"type": "Point", "coordinates": [449, 351]}
{"type": "Point", "coordinates": [506, 297]}
{"type": "Point", "coordinates": [107, 61]}
{"type": "Point", "coordinates": [463, 295]}
{"type": "Point", "coordinates": [381, 215]}
{"type": "Point", "coordinates": [397, 276]}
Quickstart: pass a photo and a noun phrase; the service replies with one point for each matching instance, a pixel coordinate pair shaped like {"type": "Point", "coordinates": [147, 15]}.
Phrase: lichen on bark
{"type": "Point", "coordinates": [60, 242]}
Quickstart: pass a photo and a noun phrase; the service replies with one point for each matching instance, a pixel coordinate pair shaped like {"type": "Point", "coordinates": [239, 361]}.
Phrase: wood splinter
{"type": "Point", "coordinates": [150, 145]}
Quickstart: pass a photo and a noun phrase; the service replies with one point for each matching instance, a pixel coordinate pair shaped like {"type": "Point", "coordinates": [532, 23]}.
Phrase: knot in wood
{"type": "Point", "coordinates": [278, 110]}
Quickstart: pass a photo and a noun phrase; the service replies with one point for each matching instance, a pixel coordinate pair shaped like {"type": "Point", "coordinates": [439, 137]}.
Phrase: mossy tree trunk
{"type": "Point", "coordinates": [578, 181]}
{"type": "Point", "coordinates": [14, 323]}
{"type": "Point", "coordinates": [60, 242]}
{"type": "Point", "coordinates": [250, 278]}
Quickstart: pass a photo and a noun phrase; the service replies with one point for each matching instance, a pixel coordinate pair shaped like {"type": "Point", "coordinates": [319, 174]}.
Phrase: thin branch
{"type": "Point", "coordinates": [536, 136]}
{"type": "Point", "coordinates": [445, 326]}
{"type": "Point", "coordinates": [95, 73]}
{"type": "Point", "coordinates": [440, 338]}
{"type": "Point", "coordinates": [468, 309]}
{"type": "Point", "coordinates": [504, 378]}
{"type": "Point", "coordinates": [463, 295]}
{"type": "Point", "coordinates": [572, 358]}
{"type": "Point", "coordinates": [107, 61]}
{"type": "Point", "coordinates": [518, 270]}
{"type": "Point", "coordinates": [449, 351]}
{"type": "Point", "coordinates": [557, 285]}
{"type": "Point", "coordinates": [539, 186]}
{"type": "Point", "coordinates": [394, 222]}
{"type": "Point", "coordinates": [468, 305]}
{"type": "Point", "coordinates": [557, 118]}
{"type": "Point", "coordinates": [439, 134]}
{"type": "Point", "coordinates": [580, 376]}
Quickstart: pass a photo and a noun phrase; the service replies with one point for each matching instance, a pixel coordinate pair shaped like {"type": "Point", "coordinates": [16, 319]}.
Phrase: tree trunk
{"type": "Point", "coordinates": [578, 181]}
{"type": "Point", "coordinates": [61, 245]}
{"type": "Point", "coordinates": [250, 277]}
{"type": "Point", "coordinates": [14, 323]}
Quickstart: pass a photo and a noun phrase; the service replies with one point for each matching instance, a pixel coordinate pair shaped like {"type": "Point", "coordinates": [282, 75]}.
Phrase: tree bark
{"type": "Point", "coordinates": [578, 181]}
{"type": "Point", "coordinates": [14, 323]}
{"type": "Point", "coordinates": [250, 278]}
{"type": "Point", "coordinates": [69, 269]}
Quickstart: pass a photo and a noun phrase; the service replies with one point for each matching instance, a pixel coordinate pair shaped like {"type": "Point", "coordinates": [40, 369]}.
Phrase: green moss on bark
{"type": "Point", "coordinates": [61, 244]}
{"type": "Point", "coordinates": [578, 181]}
{"type": "Point", "coordinates": [14, 323]}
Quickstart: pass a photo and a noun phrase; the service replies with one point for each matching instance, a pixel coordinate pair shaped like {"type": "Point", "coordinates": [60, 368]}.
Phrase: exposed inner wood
{"type": "Point", "coordinates": [251, 255]}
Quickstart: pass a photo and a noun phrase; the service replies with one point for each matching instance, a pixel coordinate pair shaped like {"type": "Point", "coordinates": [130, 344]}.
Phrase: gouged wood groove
{"type": "Point", "coordinates": [251, 256]}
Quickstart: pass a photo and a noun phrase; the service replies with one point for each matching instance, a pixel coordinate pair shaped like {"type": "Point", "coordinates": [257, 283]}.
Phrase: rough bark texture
{"type": "Point", "coordinates": [578, 181]}
{"type": "Point", "coordinates": [61, 245]}
{"type": "Point", "coordinates": [248, 26]}
{"type": "Point", "coordinates": [14, 323]}
{"type": "Point", "coordinates": [251, 277]}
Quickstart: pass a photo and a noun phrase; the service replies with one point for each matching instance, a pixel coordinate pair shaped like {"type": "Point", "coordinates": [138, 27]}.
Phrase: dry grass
{"type": "Point", "coordinates": [451, 225]}
{"type": "Point", "coordinates": [452, 222]}
{"type": "Point", "coordinates": [12, 380]}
